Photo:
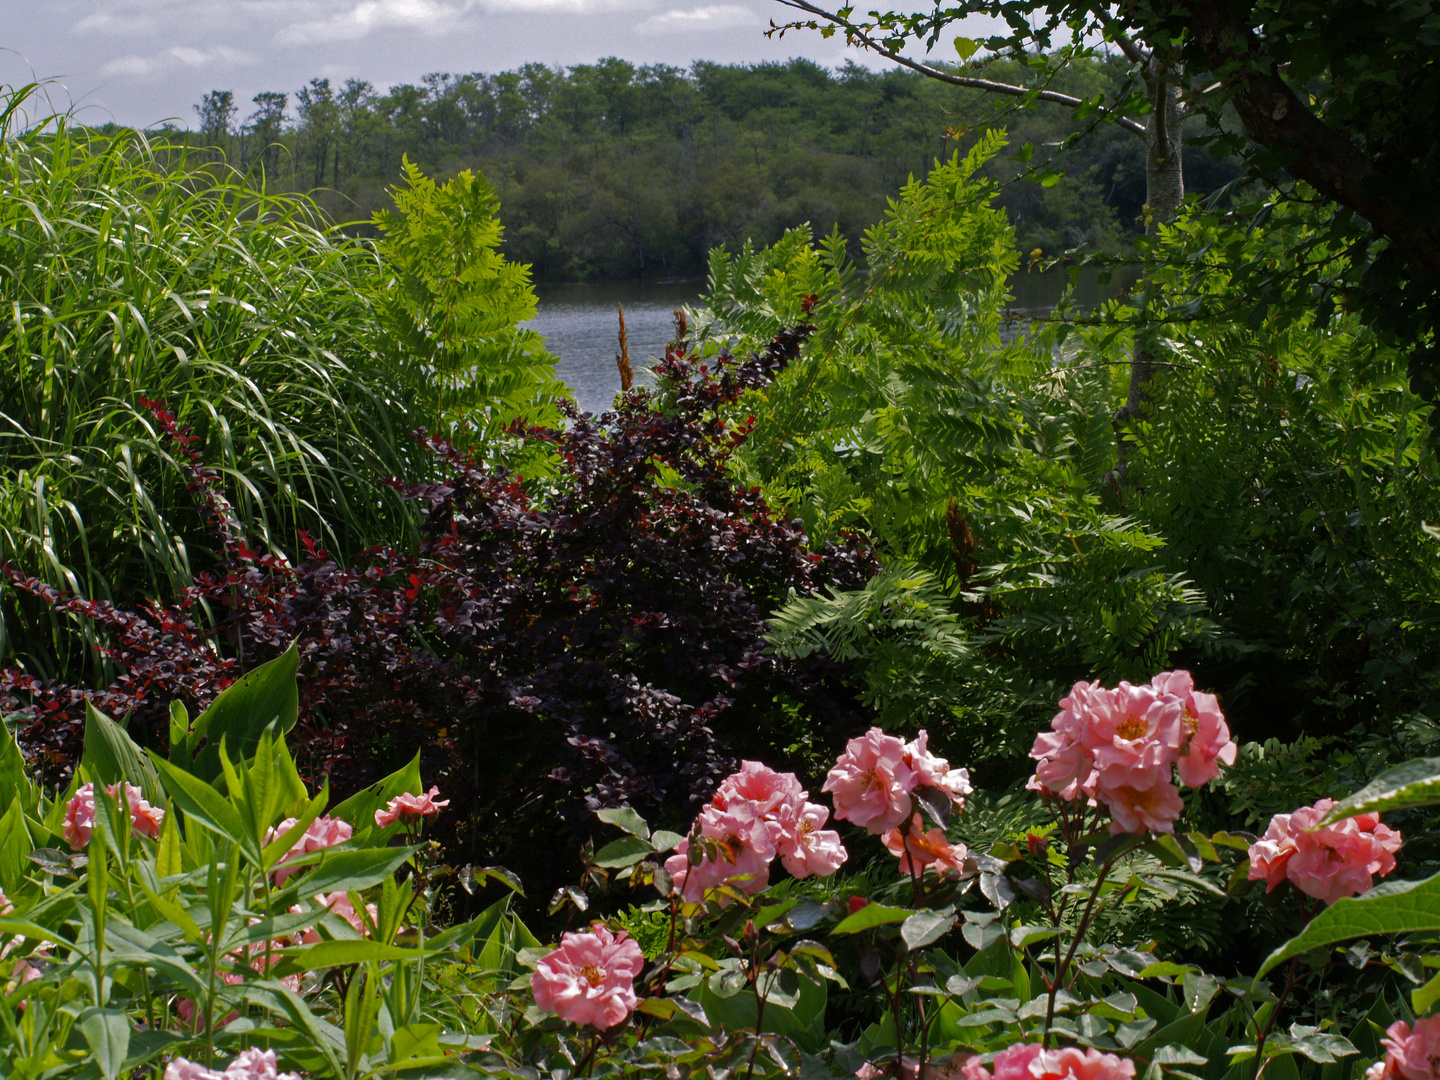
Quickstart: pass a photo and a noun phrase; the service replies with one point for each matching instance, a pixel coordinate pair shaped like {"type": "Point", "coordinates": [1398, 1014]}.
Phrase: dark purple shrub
{"type": "Point", "coordinates": [557, 643]}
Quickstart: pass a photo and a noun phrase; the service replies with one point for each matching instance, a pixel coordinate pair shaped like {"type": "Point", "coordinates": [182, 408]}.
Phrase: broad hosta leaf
{"type": "Point", "coordinates": [1415, 783]}
{"type": "Point", "coordinates": [111, 756]}
{"type": "Point", "coordinates": [243, 710]}
{"type": "Point", "coordinates": [12, 767]}
{"type": "Point", "coordinates": [1396, 907]}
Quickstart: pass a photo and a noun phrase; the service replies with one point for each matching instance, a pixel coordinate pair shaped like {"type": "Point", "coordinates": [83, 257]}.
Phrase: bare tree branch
{"type": "Point", "coordinates": [941, 75]}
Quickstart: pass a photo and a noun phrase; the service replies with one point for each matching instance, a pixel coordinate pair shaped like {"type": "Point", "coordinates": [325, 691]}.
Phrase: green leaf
{"type": "Point", "coordinates": [869, 916]}
{"type": "Point", "coordinates": [15, 845]}
{"type": "Point", "coordinates": [1415, 783]}
{"type": "Point", "coordinates": [111, 756]}
{"type": "Point", "coordinates": [622, 817]}
{"type": "Point", "coordinates": [626, 851]}
{"type": "Point", "coordinates": [966, 47]}
{"type": "Point", "coordinates": [350, 871]}
{"type": "Point", "coordinates": [359, 809]}
{"type": "Point", "coordinates": [1396, 907]}
{"type": "Point", "coordinates": [328, 954]}
{"type": "Point", "coordinates": [203, 804]}
{"type": "Point", "coordinates": [107, 1032]}
{"type": "Point", "coordinates": [12, 767]}
{"type": "Point", "coordinates": [243, 710]}
{"type": "Point", "coordinates": [924, 927]}
{"type": "Point", "coordinates": [1423, 998]}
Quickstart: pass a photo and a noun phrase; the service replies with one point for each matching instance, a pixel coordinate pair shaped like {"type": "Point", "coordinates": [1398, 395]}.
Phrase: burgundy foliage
{"type": "Point", "coordinates": [556, 644]}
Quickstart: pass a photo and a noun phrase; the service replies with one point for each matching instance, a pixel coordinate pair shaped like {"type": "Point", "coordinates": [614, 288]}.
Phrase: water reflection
{"type": "Point", "coordinates": [581, 325]}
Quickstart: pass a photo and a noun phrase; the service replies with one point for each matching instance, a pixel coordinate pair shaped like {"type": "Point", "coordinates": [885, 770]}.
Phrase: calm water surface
{"type": "Point", "coordinates": [582, 327]}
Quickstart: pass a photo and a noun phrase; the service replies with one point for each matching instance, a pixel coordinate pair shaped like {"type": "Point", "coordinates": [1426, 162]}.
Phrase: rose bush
{"type": "Point", "coordinates": [259, 934]}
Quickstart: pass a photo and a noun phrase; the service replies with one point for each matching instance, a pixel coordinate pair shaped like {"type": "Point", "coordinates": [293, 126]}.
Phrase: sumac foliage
{"type": "Point", "coordinates": [589, 637]}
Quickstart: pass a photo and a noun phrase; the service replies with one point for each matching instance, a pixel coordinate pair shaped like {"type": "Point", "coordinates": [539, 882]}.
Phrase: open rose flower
{"type": "Point", "coordinates": [1410, 1054]}
{"type": "Point", "coordinates": [251, 1064]}
{"type": "Point", "coordinates": [323, 832]}
{"type": "Point", "coordinates": [590, 978]}
{"type": "Point", "coordinates": [1328, 863]}
{"type": "Point", "coordinates": [410, 809]}
{"type": "Point", "coordinates": [871, 782]}
{"type": "Point", "coordinates": [739, 844]}
{"type": "Point", "coordinates": [1205, 737]}
{"type": "Point", "coordinates": [918, 850]}
{"type": "Point", "coordinates": [807, 848]}
{"type": "Point", "coordinates": [936, 772]}
{"type": "Point", "coordinates": [145, 820]}
{"type": "Point", "coordinates": [1031, 1061]}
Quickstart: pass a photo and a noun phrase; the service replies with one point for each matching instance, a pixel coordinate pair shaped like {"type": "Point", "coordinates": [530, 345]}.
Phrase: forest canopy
{"type": "Point", "coordinates": [612, 171]}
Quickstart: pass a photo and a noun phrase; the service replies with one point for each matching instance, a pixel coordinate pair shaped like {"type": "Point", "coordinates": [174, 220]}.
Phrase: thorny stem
{"type": "Point", "coordinates": [1085, 919]}
{"type": "Point", "coordinates": [1270, 1023]}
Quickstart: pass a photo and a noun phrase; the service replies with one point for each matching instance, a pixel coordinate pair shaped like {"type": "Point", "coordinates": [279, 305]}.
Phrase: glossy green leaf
{"type": "Point", "coordinates": [107, 1033]}
{"type": "Point", "coordinates": [359, 809]}
{"type": "Point", "coordinates": [111, 756]}
{"type": "Point", "coordinates": [1394, 907]}
{"type": "Point", "coordinates": [1415, 783]}
{"type": "Point", "coordinates": [626, 851]}
{"type": "Point", "coordinates": [622, 817]}
{"type": "Point", "coordinates": [327, 954]}
{"type": "Point", "coordinates": [870, 916]}
{"type": "Point", "coordinates": [925, 927]}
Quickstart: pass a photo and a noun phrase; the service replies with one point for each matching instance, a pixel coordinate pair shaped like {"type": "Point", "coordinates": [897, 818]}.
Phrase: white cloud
{"type": "Point", "coordinates": [370, 16]}
{"type": "Point", "coordinates": [220, 58]}
{"type": "Point", "coordinates": [691, 20]}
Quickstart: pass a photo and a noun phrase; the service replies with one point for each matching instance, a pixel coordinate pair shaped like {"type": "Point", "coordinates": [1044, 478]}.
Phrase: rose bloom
{"type": "Point", "coordinates": [1410, 1054]}
{"type": "Point", "coordinates": [145, 819]}
{"type": "Point", "coordinates": [252, 1064]}
{"type": "Point", "coordinates": [1327, 863]}
{"type": "Point", "coordinates": [590, 978]}
{"type": "Point", "coordinates": [1134, 736]}
{"type": "Point", "coordinates": [323, 832]}
{"type": "Point", "coordinates": [1206, 737]}
{"type": "Point", "coordinates": [871, 782]}
{"type": "Point", "coordinates": [917, 850]}
{"type": "Point", "coordinates": [1134, 810]}
{"type": "Point", "coordinates": [807, 848]}
{"type": "Point", "coordinates": [1030, 1061]}
{"type": "Point", "coordinates": [936, 771]}
{"type": "Point", "coordinates": [410, 808]}
{"type": "Point", "coordinates": [772, 793]}
{"type": "Point", "coordinates": [341, 904]}
{"type": "Point", "coordinates": [745, 843]}
{"type": "Point", "coordinates": [1065, 767]}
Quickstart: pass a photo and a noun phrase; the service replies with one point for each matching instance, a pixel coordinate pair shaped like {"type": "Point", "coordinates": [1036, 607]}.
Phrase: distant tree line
{"type": "Point", "coordinates": [612, 171]}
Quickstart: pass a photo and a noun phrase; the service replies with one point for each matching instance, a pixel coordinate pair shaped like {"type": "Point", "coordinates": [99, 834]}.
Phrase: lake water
{"type": "Point", "coordinates": [582, 325]}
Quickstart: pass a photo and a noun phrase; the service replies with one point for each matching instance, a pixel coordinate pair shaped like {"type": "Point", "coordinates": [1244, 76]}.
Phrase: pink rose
{"type": "Point", "coordinates": [1030, 1061]}
{"type": "Point", "coordinates": [1411, 1054]}
{"type": "Point", "coordinates": [341, 904]}
{"type": "Point", "coordinates": [252, 1064]}
{"type": "Point", "coordinates": [1134, 810]}
{"type": "Point", "coordinates": [1206, 737]}
{"type": "Point", "coordinates": [771, 793]}
{"type": "Point", "coordinates": [807, 848]}
{"type": "Point", "coordinates": [936, 772]}
{"type": "Point", "coordinates": [410, 808]}
{"type": "Point", "coordinates": [1327, 863]}
{"type": "Point", "coordinates": [744, 844]}
{"type": "Point", "coordinates": [1133, 736]}
{"type": "Point", "coordinates": [145, 820]}
{"type": "Point", "coordinates": [323, 832]}
{"type": "Point", "coordinates": [1012, 1063]}
{"type": "Point", "coordinates": [590, 978]}
{"type": "Point", "coordinates": [1066, 767]}
{"type": "Point", "coordinates": [871, 782]}
{"type": "Point", "coordinates": [917, 850]}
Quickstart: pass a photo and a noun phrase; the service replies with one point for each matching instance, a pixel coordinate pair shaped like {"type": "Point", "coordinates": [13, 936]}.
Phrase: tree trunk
{"type": "Point", "coordinates": [1164, 194]}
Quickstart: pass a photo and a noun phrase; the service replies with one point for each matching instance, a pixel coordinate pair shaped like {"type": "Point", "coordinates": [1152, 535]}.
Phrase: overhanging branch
{"type": "Point", "coordinates": [941, 75]}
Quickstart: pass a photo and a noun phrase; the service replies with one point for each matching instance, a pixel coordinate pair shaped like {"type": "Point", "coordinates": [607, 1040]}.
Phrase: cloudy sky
{"type": "Point", "coordinates": [143, 61]}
